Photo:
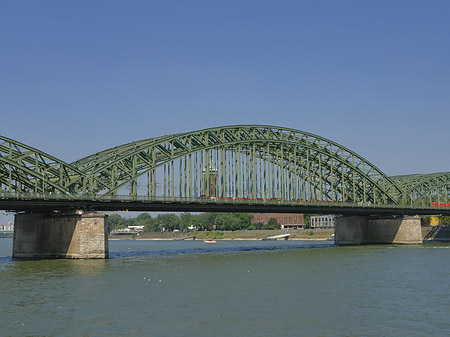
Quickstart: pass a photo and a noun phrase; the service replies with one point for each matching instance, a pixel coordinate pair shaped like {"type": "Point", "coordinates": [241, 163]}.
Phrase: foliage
{"type": "Point", "coordinates": [443, 220]}
{"type": "Point", "coordinates": [115, 221]}
{"type": "Point", "coordinates": [272, 224]}
{"type": "Point", "coordinates": [168, 222]}
{"type": "Point", "coordinates": [425, 220]}
{"type": "Point", "coordinates": [307, 220]}
{"type": "Point", "coordinates": [184, 221]}
{"type": "Point", "coordinates": [257, 225]}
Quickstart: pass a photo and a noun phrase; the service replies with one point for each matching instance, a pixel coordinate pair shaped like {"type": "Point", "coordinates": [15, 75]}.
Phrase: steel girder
{"type": "Point", "coordinates": [246, 161]}
{"type": "Point", "coordinates": [26, 169]}
{"type": "Point", "coordinates": [426, 189]}
{"type": "Point", "coordinates": [331, 171]}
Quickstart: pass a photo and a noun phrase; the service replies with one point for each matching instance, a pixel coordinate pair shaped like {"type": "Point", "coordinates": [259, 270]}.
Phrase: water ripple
{"type": "Point", "coordinates": [115, 255]}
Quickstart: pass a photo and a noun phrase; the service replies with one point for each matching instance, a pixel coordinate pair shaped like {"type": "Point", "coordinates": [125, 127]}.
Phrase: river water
{"type": "Point", "coordinates": [232, 288]}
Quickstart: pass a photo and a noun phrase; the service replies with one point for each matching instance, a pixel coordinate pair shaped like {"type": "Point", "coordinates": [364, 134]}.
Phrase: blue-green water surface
{"type": "Point", "coordinates": [232, 288]}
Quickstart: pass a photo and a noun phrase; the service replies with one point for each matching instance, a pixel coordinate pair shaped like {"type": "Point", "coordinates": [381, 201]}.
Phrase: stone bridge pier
{"type": "Point", "coordinates": [56, 235]}
{"type": "Point", "coordinates": [360, 230]}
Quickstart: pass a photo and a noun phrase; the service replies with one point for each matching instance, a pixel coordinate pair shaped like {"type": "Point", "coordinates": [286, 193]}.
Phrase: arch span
{"type": "Point", "coordinates": [426, 189]}
{"type": "Point", "coordinates": [242, 161]}
{"type": "Point", "coordinates": [26, 169]}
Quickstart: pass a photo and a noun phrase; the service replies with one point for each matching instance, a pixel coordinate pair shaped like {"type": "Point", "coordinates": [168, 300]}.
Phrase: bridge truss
{"type": "Point", "coordinates": [246, 162]}
{"type": "Point", "coordinates": [26, 169]}
{"type": "Point", "coordinates": [426, 189]}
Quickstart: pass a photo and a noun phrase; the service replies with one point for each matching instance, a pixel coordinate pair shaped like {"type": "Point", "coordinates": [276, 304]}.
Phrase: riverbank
{"type": "Point", "coordinates": [300, 234]}
{"type": "Point", "coordinates": [429, 234]}
{"type": "Point", "coordinates": [6, 234]}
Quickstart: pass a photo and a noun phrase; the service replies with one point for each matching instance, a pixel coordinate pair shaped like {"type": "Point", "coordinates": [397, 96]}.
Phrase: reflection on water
{"type": "Point", "coordinates": [242, 288]}
{"type": "Point", "coordinates": [222, 247]}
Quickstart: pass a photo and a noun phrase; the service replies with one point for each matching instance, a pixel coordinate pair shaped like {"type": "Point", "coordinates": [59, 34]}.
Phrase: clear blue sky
{"type": "Point", "coordinates": [77, 77]}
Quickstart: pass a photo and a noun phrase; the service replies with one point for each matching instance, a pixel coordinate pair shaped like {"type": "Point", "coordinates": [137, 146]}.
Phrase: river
{"type": "Point", "coordinates": [231, 288]}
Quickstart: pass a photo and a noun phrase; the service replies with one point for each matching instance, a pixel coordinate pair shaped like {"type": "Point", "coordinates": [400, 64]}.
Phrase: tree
{"type": "Point", "coordinates": [209, 221]}
{"type": "Point", "coordinates": [245, 219]}
{"type": "Point", "coordinates": [168, 221]}
{"type": "Point", "coordinates": [115, 221]}
{"type": "Point", "coordinates": [445, 220]}
{"type": "Point", "coordinates": [203, 221]}
{"type": "Point", "coordinates": [307, 219]}
{"type": "Point", "coordinates": [226, 221]}
{"type": "Point", "coordinates": [143, 217]}
{"type": "Point", "coordinates": [150, 224]}
{"type": "Point", "coordinates": [257, 225]}
{"type": "Point", "coordinates": [199, 220]}
{"type": "Point", "coordinates": [186, 220]}
{"type": "Point", "coordinates": [272, 224]}
{"type": "Point", "coordinates": [425, 220]}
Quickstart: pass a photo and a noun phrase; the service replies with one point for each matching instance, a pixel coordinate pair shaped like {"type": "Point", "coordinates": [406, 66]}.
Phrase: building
{"type": "Point", "coordinates": [210, 182]}
{"type": "Point", "coordinates": [286, 220]}
{"type": "Point", "coordinates": [8, 227]}
{"type": "Point", "coordinates": [322, 221]}
{"type": "Point", "coordinates": [134, 228]}
{"type": "Point", "coordinates": [130, 229]}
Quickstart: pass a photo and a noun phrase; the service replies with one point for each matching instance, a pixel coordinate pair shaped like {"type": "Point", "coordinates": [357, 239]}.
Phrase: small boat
{"type": "Point", "coordinates": [210, 241]}
{"type": "Point", "coordinates": [269, 239]}
{"type": "Point", "coordinates": [276, 237]}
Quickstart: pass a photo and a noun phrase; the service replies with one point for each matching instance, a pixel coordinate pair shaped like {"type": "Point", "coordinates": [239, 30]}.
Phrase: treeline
{"type": "Point", "coordinates": [187, 221]}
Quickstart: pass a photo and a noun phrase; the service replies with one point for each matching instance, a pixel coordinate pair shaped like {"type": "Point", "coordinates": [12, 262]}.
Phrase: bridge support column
{"type": "Point", "coordinates": [60, 236]}
{"type": "Point", "coordinates": [360, 230]}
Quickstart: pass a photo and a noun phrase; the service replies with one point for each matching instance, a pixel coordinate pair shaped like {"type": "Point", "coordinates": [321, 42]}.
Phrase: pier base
{"type": "Point", "coordinates": [60, 236]}
{"type": "Point", "coordinates": [361, 230]}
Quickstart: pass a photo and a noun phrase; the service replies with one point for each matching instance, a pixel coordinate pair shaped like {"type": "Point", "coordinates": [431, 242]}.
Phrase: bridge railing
{"type": "Point", "coordinates": [5, 195]}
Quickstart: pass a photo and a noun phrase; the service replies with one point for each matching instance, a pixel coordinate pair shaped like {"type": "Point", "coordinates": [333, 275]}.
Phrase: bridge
{"type": "Point", "coordinates": [250, 168]}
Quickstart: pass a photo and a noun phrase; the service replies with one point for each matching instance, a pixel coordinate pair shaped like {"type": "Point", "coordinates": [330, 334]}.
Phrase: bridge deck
{"type": "Point", "coordinates": [121, 203]}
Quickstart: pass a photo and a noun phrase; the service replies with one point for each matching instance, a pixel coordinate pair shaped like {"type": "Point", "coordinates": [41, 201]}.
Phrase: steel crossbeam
{"type": "Point", "coordinates": [244, 162]}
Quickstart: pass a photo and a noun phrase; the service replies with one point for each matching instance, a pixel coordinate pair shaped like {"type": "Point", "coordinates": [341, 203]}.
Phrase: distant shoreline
{"type": "Point", "coordinates": [240, 235]}
{"type": "Point", "coordinates": [146, 239]}
{"type": "Point", "coordinates": [6, 234]}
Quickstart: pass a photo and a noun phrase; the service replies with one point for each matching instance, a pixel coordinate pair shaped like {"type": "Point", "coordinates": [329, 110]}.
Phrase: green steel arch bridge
{"type": "Point", "coordinates": [252, 168]}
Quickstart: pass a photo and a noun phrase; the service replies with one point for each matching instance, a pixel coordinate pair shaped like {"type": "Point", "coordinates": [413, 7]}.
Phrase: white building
{"type": "Point", "coordinates": [322, 221]}
{"type": "Point", "coordinates": [134, 228]}
{"type": "Point", "coordinates": [8, 227]}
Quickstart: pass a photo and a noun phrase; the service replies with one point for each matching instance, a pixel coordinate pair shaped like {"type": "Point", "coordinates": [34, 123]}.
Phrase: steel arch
{"type": "Point", "coordinates": [426, 189]}
{"type": "Point", "coordinates": [26, 169]}
{"type": "Point", "coordinates": [332, 172]}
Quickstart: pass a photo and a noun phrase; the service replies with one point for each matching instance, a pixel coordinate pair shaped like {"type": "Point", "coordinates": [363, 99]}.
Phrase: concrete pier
{"type": "Point", "coordinates": [63, 236]}
{"type": "Point", "coordinates": [360, 230]}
